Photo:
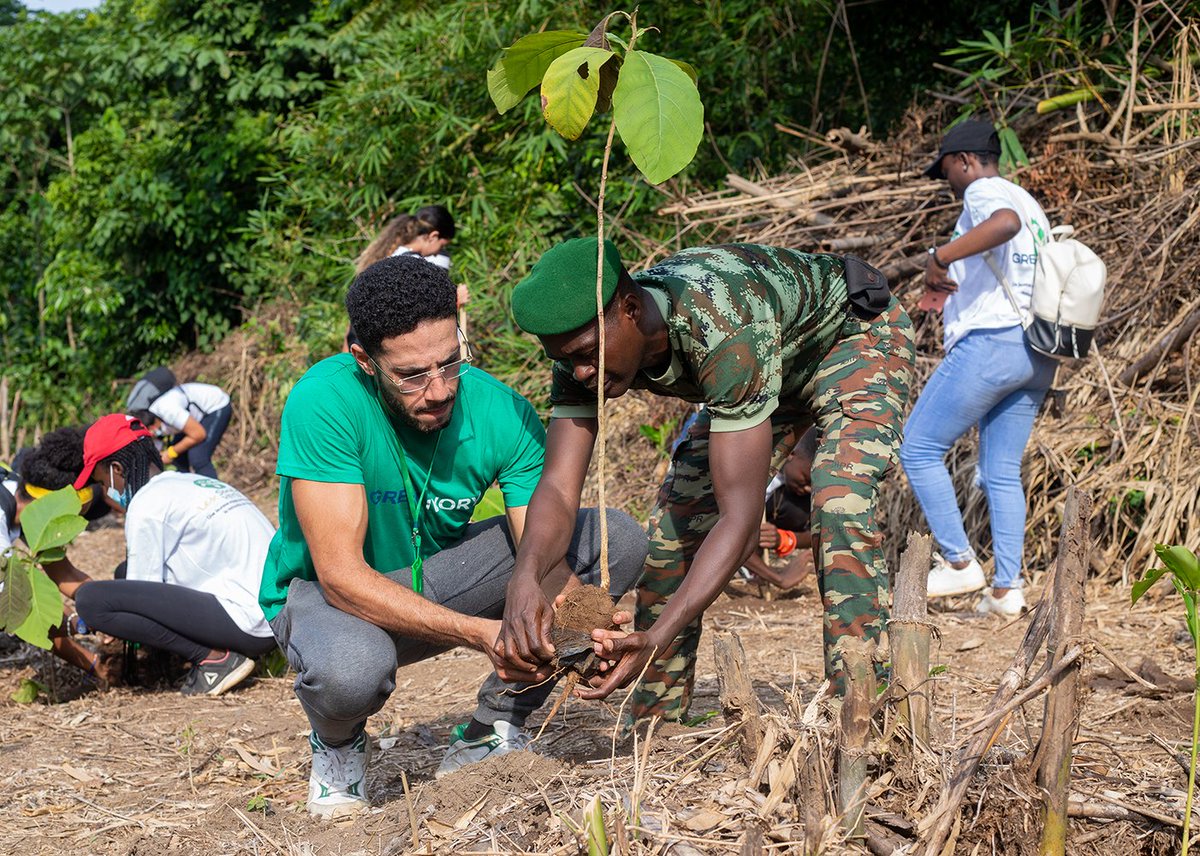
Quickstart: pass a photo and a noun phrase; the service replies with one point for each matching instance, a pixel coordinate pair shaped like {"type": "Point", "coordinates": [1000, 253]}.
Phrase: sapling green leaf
{"type": "Point", "coordinates": [570, 89]}
{"type": "Point", "coordinates": [45, 610]}
{"type": "Point", "coordinates": [39, 514]}
{"type": "Point", "coordinates": [1184, 570]}
{"type": "Point", "coordinates": [57, 533]}
{"type": "Point", "coordinates": [1143, 585]}
{"type": "Point", "coordinates": [1182, 563]}
{"type": "Point", "coordinates": [658, 113]}
{"type": "Point", "coordinates": [524, 65]}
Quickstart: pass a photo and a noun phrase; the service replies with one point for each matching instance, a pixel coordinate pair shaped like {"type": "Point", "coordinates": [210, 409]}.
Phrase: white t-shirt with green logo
{"type": "Point", "coordinates": [334, 430]}
{"type": "Point", "coordinates": [980, 302]}
{"type": "Point", "coordinates": [200, 533]}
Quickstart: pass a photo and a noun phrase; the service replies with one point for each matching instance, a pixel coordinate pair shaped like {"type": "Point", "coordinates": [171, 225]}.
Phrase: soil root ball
{"type": "Point", "coordinates": [583, 610]}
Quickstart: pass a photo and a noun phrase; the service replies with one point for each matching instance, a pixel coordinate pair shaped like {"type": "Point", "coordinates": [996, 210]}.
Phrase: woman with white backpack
{"type": "Point", "coordinates": [990, 376]}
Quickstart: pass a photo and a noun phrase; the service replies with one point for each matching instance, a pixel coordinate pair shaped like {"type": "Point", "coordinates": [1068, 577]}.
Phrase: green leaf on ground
{"type": "Point", "coordinates": [570, 89]}
{"type": "Point", "coordinates": [525, 63]}
{"type": "Point", "coordinates": [27, 692]}
{"type": "Point", "coordinates": [658, 113]}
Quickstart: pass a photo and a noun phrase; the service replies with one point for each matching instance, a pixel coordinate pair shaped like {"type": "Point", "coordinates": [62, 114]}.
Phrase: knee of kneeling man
{"type": "Point", "coordinates": [628, 542]}
{"type": "Point", "coordinates": [344, 692]}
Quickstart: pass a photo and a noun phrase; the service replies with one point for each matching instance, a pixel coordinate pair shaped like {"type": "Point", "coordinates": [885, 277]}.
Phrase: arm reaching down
{"type": "Point", "coordinates": [740, 461]}
{"type": "Point", "coordinates": [333, 517]}
{"type": "Point", "coordinates": [524, 640]}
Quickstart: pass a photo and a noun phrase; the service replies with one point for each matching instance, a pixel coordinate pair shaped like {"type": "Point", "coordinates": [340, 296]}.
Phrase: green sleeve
{"type": "Point", "coordinates": [520, 474]}
{"type": "Point", "coordinates": [318, 437]}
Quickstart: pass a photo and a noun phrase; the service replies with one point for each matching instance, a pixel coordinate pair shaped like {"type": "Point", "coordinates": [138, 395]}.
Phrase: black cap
{"type": "Point", "coordinates": [973, 135]}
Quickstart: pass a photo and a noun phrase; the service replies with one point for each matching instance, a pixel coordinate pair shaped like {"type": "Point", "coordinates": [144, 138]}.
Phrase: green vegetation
{"type": "Point", "coordinates": [29, 601]}
{"type": "Point", "coordinates": [172, 165]}
{"type": "Point", "coordinates": [1183, 568]}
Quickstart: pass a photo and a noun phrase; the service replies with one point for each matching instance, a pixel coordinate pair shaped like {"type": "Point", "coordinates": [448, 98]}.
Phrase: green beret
{"type": "Point", "coordinates": [559, 294]}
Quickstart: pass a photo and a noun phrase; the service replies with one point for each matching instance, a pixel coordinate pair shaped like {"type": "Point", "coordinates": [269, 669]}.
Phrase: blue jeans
{"type": "Point", "coordinates": [198, 459]}
{"type": "Point", "coordinates": [992, 379]}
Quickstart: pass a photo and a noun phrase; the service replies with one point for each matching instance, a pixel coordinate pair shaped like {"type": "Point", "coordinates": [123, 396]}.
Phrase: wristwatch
{"type": "Point", "coordinates": [933, 254]}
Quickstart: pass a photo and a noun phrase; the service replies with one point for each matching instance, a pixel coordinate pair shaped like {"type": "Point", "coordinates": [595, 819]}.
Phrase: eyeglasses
{"type": "Point", "coordinates": [447, 371]}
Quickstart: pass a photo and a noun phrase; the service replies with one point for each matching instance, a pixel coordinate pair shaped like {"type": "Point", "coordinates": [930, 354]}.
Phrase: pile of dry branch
{"type": "Point", "coordinates": [1120, 424]}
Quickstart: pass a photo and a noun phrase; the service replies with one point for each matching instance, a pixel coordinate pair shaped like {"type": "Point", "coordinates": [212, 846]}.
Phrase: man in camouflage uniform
{"type": "Point", "coordinates": [771, 340]}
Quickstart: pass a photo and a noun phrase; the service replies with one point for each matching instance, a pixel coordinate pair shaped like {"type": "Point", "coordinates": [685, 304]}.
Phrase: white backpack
{"type": "Point", "coordinates": [1068, 292]}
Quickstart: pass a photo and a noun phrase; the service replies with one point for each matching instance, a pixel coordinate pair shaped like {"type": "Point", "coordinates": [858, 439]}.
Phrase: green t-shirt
{"type": "Point", "coordinates": [747, 325]}
{"type": "Point", "coordinates": [335, 430]}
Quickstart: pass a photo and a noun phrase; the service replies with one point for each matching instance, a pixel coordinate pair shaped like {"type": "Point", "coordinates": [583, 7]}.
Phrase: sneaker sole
{"type": "Point", "coordinates": [959, 590]}
{"type": "Point", "coordinates": [233, 679]}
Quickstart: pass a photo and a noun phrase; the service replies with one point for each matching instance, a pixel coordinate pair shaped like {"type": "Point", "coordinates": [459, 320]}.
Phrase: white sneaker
{"type": "Point", "coordinates": [1010, 605]}
{"type": "Point", "coordinates": [945, 580]}
{"type": "Point", "coordinates": [505, 738]}
{"type": "Point", "coordinates": [337, 786]}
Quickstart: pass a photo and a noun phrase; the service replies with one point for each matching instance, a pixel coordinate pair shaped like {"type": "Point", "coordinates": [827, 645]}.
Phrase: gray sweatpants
{"type": "Point", "coordinates": [346, 667]}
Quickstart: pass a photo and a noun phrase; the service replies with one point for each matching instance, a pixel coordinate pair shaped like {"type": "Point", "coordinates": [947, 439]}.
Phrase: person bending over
{"type": "Point", "coordinates": [196, 416]}
{"type": "Point", "coordinates": [195, 552]}
{"type": "Point", "coordinates": [383, 454]}
{"type": "Point", "coordinates": [768, 339]}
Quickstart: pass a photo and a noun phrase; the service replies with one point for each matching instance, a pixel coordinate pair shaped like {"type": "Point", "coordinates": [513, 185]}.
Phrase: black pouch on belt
{"type": "Point", "coordinates": [867, 288]}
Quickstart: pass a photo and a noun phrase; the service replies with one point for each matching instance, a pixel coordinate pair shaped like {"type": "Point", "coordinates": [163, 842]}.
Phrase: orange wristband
{"type": "Point", "coordinates": [787, 542]}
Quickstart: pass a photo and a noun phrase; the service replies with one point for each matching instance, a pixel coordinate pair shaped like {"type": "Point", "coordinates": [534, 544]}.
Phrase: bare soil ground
{"type": "Point", "coordinates": [147, 771]}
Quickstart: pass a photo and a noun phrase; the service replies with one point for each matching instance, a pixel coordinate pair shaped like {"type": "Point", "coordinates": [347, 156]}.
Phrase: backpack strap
{"type": "Point", "coordinates": [1026, 321]}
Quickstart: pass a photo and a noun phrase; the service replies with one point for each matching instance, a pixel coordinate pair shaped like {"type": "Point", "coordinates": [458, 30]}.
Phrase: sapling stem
{"type": "Point", "coordinates": [1191, 787]}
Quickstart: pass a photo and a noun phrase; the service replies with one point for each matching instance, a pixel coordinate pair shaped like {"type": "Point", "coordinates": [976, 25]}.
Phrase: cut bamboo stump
{"type": "Point", "coordinates": [738, 700]}
{"type": "Point", "coordinates": [936, 825]}
{"type": "Point", "coordinates": [1061, 721]}
{"type": "Point", "coordinates": [910, 631]}
{"type": "Point", "coordinates": [854, 740]}
{"type": "Point", "coordinates": [810, 799]}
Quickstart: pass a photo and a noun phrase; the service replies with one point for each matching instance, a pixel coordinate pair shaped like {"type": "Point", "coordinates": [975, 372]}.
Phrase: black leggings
{"type": "Point", "coordinates": [183, 621]}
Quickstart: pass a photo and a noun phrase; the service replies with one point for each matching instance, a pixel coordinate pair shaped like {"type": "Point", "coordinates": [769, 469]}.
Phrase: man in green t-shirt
{"type": "Point", "coordinates": [770, 340]}
{"type": "Point", "coordinates": [383, 454]}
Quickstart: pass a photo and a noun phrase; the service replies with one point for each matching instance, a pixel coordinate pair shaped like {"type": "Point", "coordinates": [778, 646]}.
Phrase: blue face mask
{"type": "Point", "coordinates": [121, 498]}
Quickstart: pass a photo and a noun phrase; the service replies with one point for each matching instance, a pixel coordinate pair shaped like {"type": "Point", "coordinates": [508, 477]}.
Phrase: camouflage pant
{"type": "Point", "coordinates": [856, 398]}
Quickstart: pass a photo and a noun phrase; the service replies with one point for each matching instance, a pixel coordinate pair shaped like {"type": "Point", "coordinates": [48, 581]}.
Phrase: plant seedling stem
{"type": "Point", "coordinates": [1191, 789]}
{"type": "Point", "coordinates": [602, 421]}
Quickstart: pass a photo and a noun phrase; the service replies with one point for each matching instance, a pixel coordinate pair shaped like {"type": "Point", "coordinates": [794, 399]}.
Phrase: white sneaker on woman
{"type": "Point", "coordinates": [1010, 605]}
{"type": "Point", "coordinates": [945, 580]}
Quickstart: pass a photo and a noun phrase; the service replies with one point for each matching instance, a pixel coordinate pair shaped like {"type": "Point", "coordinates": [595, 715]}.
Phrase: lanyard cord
{"type": "Point", "coordinates": [414, 507]}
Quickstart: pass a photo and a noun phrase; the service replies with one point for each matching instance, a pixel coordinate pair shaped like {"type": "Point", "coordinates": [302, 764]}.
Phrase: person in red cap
{"type": "Point", "coordinates": [195, 552]}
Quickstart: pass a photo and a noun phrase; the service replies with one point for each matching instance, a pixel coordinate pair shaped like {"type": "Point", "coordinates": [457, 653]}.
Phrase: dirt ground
{"type": "Point", "coordinates": [146, 771]}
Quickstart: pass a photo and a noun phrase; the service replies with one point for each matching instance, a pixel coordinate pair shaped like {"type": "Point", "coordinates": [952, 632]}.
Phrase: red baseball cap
{"type": "Point", "coordinates": [108, 434]}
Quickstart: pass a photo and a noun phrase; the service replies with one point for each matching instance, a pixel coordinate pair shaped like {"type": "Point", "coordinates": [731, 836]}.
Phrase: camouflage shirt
{"type": "Point", "coordinates": [747, 326]}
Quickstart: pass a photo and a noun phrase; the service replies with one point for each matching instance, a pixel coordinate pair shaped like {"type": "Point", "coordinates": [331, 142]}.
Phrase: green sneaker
{"type": "Point", "coordinates": [505, 738]}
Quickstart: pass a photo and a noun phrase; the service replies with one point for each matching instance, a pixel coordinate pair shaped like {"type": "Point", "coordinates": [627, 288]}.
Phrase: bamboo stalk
{"type": "Point", "coordinates": [1061, 721]}
{"type": "Point", "coordinates": [854, 739]}
{"type": "Point", "coordinates": [910, 632]}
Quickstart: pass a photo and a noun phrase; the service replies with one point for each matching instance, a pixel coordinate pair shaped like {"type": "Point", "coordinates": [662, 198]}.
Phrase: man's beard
{"type": "Point", "coordinates": [397, 409]}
